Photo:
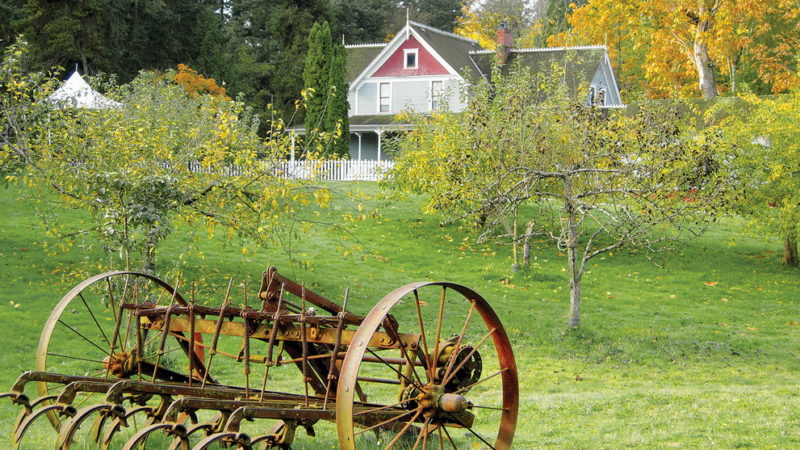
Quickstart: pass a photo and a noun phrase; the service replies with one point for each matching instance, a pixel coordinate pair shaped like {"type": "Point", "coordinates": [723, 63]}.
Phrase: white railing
{"type": "Point", "coordinates": [344, 170]}
{"type": "Point", "coordinates": [331, 170]}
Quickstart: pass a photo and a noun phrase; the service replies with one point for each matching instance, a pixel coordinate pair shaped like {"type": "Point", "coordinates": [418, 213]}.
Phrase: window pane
{"type": "Point", "coordinates": [437, 89]}
{"type": "Point", "coordinates": [384, 89]}
{"type": "Point", "coordinates": [411, 60]}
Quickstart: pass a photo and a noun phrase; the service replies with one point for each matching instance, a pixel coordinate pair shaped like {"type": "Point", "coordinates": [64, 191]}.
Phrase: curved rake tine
{"type": "Point", "coordinates": [242, 441]}
{"type": "Point", "coordinates": [28, 410]}
{"type": "Point", "coordinates": [120, 422]}
{"type": "Point", "coordinates": [68, 429]}
{"type": "Point", "coordinates": [182, 442]}
{"type": "Point", "coordinates": [140, 438]}
{"type": "Point", "coordinates": [23, 427]}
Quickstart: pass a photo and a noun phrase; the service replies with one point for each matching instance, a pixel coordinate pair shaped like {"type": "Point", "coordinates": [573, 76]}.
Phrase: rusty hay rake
{"type": "Point", "coordinates": [125, 361]}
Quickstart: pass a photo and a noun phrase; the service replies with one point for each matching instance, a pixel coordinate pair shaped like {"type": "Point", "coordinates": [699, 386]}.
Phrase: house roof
{"type": "Point", "coordinates": [454, 49]}
{"type": "Point", "coordinates": [580, 63]}
{"type": "Point", "coordinates": [359, 56]}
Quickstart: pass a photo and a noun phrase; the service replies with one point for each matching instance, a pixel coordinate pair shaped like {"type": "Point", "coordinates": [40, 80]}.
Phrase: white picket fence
{"type": "Point", "coordinates": [330, 170]}
{"type": "Point", "coordinates": [344, 170]}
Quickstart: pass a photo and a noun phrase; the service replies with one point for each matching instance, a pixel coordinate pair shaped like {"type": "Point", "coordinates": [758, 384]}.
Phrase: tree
{"type": "Point", "coordinates": [765, 136]}
{"type": "Point", "coordinates": [479, 20]}
{"type": "Point", "coordinates": [164, 156]}
{"type": "Point", "coordinates": [22, 106]}
{"type": "Point", "coordinates": [316, 76]}
{"type": "Point", "coordinates": [686, 47]}
{"type": "Point", "coordinates": [337, 120]}
{"type": "Point", "coordinates": [324, 80]}
{"type": "Point", "coordinates": [268, 44]}
{"type": "Point", "coordinates": [589, 181]}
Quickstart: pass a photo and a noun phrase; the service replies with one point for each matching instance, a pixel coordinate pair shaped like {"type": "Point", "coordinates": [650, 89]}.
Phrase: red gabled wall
{"type": "Point", "coordinates": [426, 63]}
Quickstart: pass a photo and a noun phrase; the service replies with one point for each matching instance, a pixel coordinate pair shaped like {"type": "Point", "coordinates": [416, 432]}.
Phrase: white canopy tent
{"type": "Point", "coordinates": [76, 93]}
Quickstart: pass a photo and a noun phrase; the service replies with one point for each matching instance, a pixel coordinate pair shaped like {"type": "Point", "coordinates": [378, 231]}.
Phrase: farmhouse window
{"type": "Point", "coordinates": [410, 61]}
{"type": "Point", "coordinates": [384, 97]}
{"type": "Point", "coordinates": [437, 94]}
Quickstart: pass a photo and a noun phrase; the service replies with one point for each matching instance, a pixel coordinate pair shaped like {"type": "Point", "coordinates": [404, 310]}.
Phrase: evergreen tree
{"type": "Point", "coordinates": [10, 13]}
{"type": "Point", "coordinates": [268, 44]}
{"type": "Point", "coordinates": [337, 103]}
{"type": "Point", "coordinates": [316, 77]}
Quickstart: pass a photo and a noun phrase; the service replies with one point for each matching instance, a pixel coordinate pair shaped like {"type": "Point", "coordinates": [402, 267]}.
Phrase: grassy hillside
{"type": "Point", "coordinates": [700, 352]}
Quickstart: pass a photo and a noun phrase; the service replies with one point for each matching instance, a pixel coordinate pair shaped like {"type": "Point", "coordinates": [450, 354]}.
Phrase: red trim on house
{"type": "Point", "coordinates": [426, 63]}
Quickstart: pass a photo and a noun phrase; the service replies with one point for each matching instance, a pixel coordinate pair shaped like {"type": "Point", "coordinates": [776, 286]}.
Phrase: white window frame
{"type": "Point", "coordinates": [388, 97]}
{"type": "Point", "coordinates": [433, 97]}
{"type": "Point", "coordinates": [411, 51]}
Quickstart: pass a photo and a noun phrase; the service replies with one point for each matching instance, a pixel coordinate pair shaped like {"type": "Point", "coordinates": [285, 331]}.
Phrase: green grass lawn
{"type": "Point", "coordinates": [702, 352]}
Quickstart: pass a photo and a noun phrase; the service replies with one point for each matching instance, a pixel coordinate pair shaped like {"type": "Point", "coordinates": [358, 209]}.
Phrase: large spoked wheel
{"type": "Point", "coordinates": [89, 334]}
{"type": "Point", "coordinates": [455, 386]}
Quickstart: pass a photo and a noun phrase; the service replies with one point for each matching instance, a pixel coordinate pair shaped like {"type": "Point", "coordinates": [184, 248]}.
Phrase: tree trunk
{"type": "Point", "coordinates": [790, 251]}
{"type": "Point", "coordinates": [526, 245]}
{"type": "Point", "coordinates": [570, 208]}
{"type": "Point", "coordinates": [574, 290]}
{"type": "Point", "coordinates": [150, 256]}
{"type": "Point", "coordinates": [700, 58]}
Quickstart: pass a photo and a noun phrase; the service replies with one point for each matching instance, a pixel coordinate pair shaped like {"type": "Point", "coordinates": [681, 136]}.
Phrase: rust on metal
{"type": "Point", "coordinates": [153, 353]}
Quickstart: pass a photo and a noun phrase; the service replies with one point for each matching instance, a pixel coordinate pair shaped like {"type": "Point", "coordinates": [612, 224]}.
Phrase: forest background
{"type": "Point", "coordinates": [256, 49]}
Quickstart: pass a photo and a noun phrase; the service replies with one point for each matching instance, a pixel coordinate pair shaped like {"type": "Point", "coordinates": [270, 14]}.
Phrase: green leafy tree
{"type": "Point", "coordinates": [524, 151]}
{"type": "Point", "coordinates": [165, 156]}
{"type": "Point", "coordinates": [22, 106]}
{"type": "Point", "coordinates": [765, 135]}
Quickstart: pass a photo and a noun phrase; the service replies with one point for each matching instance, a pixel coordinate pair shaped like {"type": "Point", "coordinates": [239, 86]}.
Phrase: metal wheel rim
{"type": "Point", "coordinates": [375, 318]}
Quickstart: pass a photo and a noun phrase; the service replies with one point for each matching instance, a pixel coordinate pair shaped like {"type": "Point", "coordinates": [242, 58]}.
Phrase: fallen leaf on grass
{"type": "Point", "coordinates": [723, 300]}
{"type": "Point", "coordinates": [711, 283]}
{"type": "Point", "coordinates": [792, 323]}
{"type": "Point", "coordinates": [752, 329]}
{"type": "Point", "coordinates": [578, 378]}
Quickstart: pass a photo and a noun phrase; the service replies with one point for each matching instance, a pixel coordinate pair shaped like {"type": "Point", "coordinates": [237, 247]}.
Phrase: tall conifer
{"type": "Point", "coordinates": [316, 77]}
{"type": "Point", "coordinates": [337, 102]}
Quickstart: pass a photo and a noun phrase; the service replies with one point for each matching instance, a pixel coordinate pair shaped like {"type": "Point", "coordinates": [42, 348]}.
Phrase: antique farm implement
{"type": "Point", "coordinates": [126, 361]}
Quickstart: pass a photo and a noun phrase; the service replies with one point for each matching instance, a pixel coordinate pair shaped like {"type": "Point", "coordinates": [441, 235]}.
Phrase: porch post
{"type": "Point", "coordinates": [359, 145]}
{"type": "Point", "coordinates": [380, 134]}
{"type": "Point", "coordinates": [291, 157]}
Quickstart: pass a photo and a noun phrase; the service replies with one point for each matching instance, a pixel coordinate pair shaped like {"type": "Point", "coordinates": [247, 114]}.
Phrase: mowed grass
{"type": "Point", "coordinates": [702, 352]}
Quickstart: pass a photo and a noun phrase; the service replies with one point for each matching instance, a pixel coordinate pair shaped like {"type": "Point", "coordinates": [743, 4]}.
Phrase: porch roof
{"type": "Point", "coordinates": [369, 123]}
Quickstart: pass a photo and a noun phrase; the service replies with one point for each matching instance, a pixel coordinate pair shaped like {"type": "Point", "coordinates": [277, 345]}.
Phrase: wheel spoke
{"type": "Point", "coordinates": [80, 294]}
{"type": "Point", "coordinates": [466, 388]}
{"type": "Point", "coordinates": [440, 319]}
{"type": "Point", "coordinates": [83, 337]}
{"type": "Point", "coordinates": [423, 430]}
{"type": "Point", "coordinates": [422, 333]}
{"type": "Point", "coordinates": [489, 407]}
{"type": "Point", "coordinates": [469, 355]}
{"type": "Point", "coordinates": [457, 346]}
{"type": "Point", "coordinates": [75, 357]}
{"type": "Point", "coordinates": [449, 438]}
{"type": "Point", "coordinates": [405, 428]}
{"type": "Point", "coordinates": [392, 331]}
{"type": "Point", "coordinates": [399, 416]}
{"type": "Point", "coordinates": [368, 411]}
{"type": "Point", "coordinates": [471, 431]}
{"type": "Point", "coordinates": [410, 381]}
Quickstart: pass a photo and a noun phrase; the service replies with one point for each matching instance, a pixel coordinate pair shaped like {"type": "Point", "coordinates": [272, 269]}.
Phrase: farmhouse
{"type": "Point", "coordinates": [425, 69]}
